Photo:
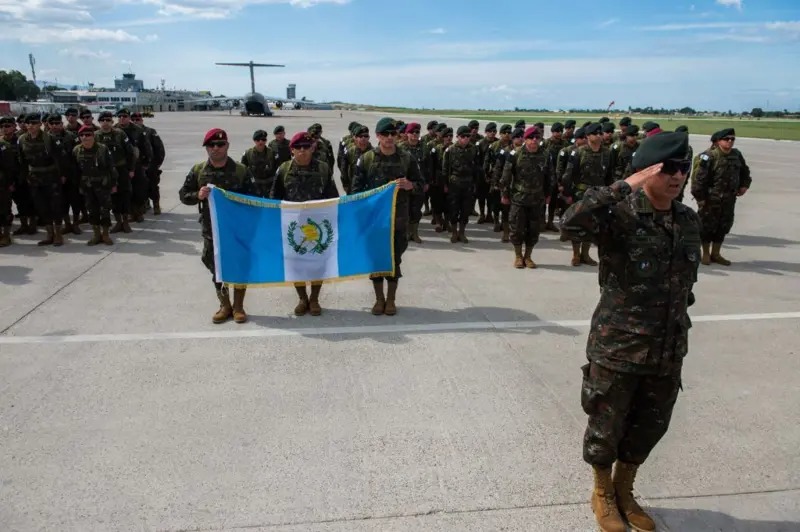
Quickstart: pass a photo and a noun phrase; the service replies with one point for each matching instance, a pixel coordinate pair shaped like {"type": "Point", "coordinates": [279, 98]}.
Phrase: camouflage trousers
{"type": "Point", "coordinates": [71, 196]}
{"type": "Point", "coordinates": [153, 180]}
{"type": "Point", "coordinates": [415, 202]}
{"type": "Point", "coordinates": [121, 199]}
{"type": "Point", "coordinates": [461, 201]}
{"type": "Point", "coordinates": [628, 413]}
{"type": "Point", "coordinates": [495, 203]}
{"type": "Point", "coordinates": [716, 219]}
{"type": "Point", "coordinates": [482, 193]}
{"type": "Point", "coordinates": [98, 203]}
{"type": "Point", "coordinates": [524, 223]}
{"type": "Point", "coordinates": [23, 199]}
{"type": "Point", "coordinates": [5, 206]}
{"type": "Point", "coordinates": [46, 196]}
{"type": "Point", "coordinates": [208, 260]}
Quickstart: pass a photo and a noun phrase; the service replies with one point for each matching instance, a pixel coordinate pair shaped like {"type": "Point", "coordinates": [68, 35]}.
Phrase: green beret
{"type": "Point", "coordinates": [569, 123]}
{"type": "Point", "coordinates": [447, 132]}
{"type": "Point", "coordinates": [517, 133]}
{"type": "Point", "coordinates": [505, 128]}
{"type": "Point", "coordinates": [7, 120]}
{"type": "Point", "coordinates": [608, 127]}
{"type": "Point", "coordinates": [715, 137]}
{"type": "Point", "coordinates": [603, 120]}
{"type": "Point", "coordinates": [385, 125]}
{"type": "Point", "coordinates": [557, 127]}
{"type": "Point", "coordinates": [400, 126]}
{"type": "Point", "coordinates": [360, 130]}
{"type": "Point", "coordinates": [123, 111]}
{"type": "Point", "coordinates": [519, 124]}
{"type": "Point", "coordinates": [580, 133]}
{"type": "Point", "coordinates": [259, 134]}
{"type": "Point", "coordinates": [432, 124]}
{"type": "Point", "coordinates": [681, 129]}
{"type": "Point", "coordinates": [587, 124]}
{"type": "Point", "coordinates": [592, 129]}
{"type": "Point", "coordinates": [632, 131]}
{"type": "Point", "coordinates": [30, 118]}
{"type": "Point", "coordinates": [352, 128]}
{"type": "Point", "coordinates": [659, 148]}
{"type": "Point", "coordinates": [463, 130]}
{"type": "Point", "coordinates": [278, 129]}
{"type": "Point", "coordinates": [473, 124]}
{"type": "Point", "coordinates": [539, 126]}
{"type": "Point", "coordinates": [491, 126]}
{"type": "Point", "coordinates": [351, 125]}
{"type": "Point", "coordinates": [649, 126]}
{"type": "Point", "coordinates": [54, 117]}
{"type": "Point", "coordinates": [727, 132]}
{"type": "Point", "coordinates": [71, 111]}
{"type": "Point", "coordinates": [626, 121]}
{"type": "Point", "coordinates": [441, 127]}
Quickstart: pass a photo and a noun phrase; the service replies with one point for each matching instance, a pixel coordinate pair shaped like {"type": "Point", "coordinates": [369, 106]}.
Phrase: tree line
{"type": "Point", "coordinates": [15, 86]}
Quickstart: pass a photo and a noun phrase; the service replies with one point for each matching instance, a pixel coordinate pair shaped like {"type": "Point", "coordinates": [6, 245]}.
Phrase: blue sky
{"type": "Point", "coordinates": [707, 54]}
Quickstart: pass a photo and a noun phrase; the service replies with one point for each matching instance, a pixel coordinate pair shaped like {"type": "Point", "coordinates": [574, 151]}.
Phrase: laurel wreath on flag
{"type": "Point", "coordinates": [320, 245]}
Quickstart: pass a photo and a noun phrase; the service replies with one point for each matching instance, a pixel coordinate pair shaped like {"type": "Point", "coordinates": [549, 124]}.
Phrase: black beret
{"type": "Point", "coordinates": [557, 127]}
{"type": "Point", "coordinates": [603, 120]}
{"type": "Point", "coordinates": [384, 125]}
{"type": "Point", "coordinates": [71, 111]}
{"type": "Point", "coordinates": [519, 124]}
{"type": "Point", "coordinates": [360, 130]}
{"type": "Point", "coordinates": [45, 116]}
{"type": "Point", "coordinates": [54, 117]}
{"type": "Point", "coordinates": [259, 134]}
{"type": "Point", "coordinates": [586, 124]}
{"type": "Point", "coordinates": [33, 117]}
{"type": "Point", "coordinates": [681, 129]}
{"type": "Point", "coordinates": [591, 129]}
{"type": "Point", "coordinates": [123, 111]}
{"type": "Point", "coordinates": [539, 125]}
{"type": "Point", "coordinates": [608, 127]}
{"type": "Point", "coordinates": [85, 113]}
{"type": "Point", "coordinates": [632, 131]}
{"type": "Point", "coordinates": [432, 124]}
{"type": "Point", "coordinates": [315, 128]}
{"type": "Point", "coordinates": [491, 126]}
{"type": "Point", "coordinates": [517, 133]}
{"type": "Point", "coordinates": [626, 121]}
{"type": "Point", "coordinates": [278, 129]}
{"type": "Point", "coordinates": [659, 148]}
{"type": "Point", "coordinates": [21, 117]}
{"type": "Point", "coordinates": [715, 136]}
{"type": "Point", "coordinates": [441, 127]}
{"type": "Point", "coordinates": [649, 126]}
{"type": "Point", "coordinates": [727, 132]}
{"type": "Point", "coordinates": [351, 125]}
{"type": "Point", "coordinates": [505, 128]}
{"type": "Point", "coordinates": [580, 133]}
{"type": "Point", "coordinates": [473, 124]}
{"type": "Point", "coordinates": [569, 123]}
{"type": "Point", "coordinates": [7, 120]}
{"type": "Point", "coordinates": [447, 131]}
{"type": "Point", "coordinates": [463, 130]}
{"type": "Point", "coordinates": [106, 114]}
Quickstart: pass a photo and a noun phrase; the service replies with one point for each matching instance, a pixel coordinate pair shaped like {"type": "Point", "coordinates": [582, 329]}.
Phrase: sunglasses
{"type": "Point", "coordinates": [105, 119]}
{"type": "Point", "coordinates": [389, 134]}
{"type": "Point", "coordinates": [463, 136]}
{"type": "Point", "coordinates": [262, 140]}
{"type": "Point", "coordinates": [302, 147]}
{"type": "Point", "coordinates": [729, 139]}
{"type": "Point", "coordinates": [362, 136]}
{"type": "Point", "coordinates": [123, 116]}
{"type": "Point", "coordinates": [673, 166]}
{"type": "Point", "coordinates": [87, 134]}
{"type": "Point", "coordinates": [216, 144]}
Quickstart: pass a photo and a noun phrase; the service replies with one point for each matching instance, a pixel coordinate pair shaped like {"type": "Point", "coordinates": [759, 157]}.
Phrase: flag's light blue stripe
{"type": "Point", "coordinates": [365, 230]}
{"type": "Point", "coordinates": [250, 241]}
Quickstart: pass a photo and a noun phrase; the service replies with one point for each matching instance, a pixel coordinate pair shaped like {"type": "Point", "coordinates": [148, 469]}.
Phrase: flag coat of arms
{"type": "Point", "coordinates": [261, 241]}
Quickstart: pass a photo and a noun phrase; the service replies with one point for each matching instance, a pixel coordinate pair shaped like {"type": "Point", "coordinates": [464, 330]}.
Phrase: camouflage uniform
{"type": "Point", "coordinates": [483, 189]}
{"type": "Point", "coordinates": [553, 147]}
{"type": "Point", "coordinates": [9, 169]}
{"type": "Point", "coordinates": [154, 168]}
{"type": "Point", "coordinates": [143, 158]}
{"type": "Point", "coordinates": [490, 162]}
{"type": "Point", "coordinates": [715, 186]}
{"type": "Point", "coordinates": [65, 142]}
{"type": "Point", "coordinates": [261, 166]}
{"type": "Point", "coordinates": [690, 157]}
{"type": "Point", "coordinates": [348, 169]}
{"type": "Point", "coordinates": [621, 155]}
{"type": "Point", "coordinates": [639, 332]}
{"type": "Point", "coordinates": [432, 169]}
{"type": "Point", "coordinates": [417, 151]}
{"type": "Point", "coordinates": [123, 155]}
{"type": "Point", "coordinates": [39, 160]}
{"type": "Point", "coordinates": [98, 176]}
{"type": "Point", "coordinates": [499, 166]}
{"type": "Point", "coordinates": [281, 151]}
{"type": "Point", "coordinates": [526, 183]}
{"type": "Point", "coordinates": [460, 173]}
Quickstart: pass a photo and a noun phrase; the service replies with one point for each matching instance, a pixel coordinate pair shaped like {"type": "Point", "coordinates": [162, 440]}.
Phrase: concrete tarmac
{"type": "Point", "coordinates": [124, 408]}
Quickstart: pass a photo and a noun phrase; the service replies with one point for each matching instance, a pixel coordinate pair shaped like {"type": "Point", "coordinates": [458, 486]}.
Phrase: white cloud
{"type": "Point", "coordinates": [220, 9]}
{"type": "Point", "coordinates": [83, 53]}
{"type": "Point", "coordinates": [731, 3]}
{"type": "Point", "coordinates": [36, 35]}
{"type": "Point", "coordinates": [607, 23]}
{"type": "Point", "coordinates": [437, 31]}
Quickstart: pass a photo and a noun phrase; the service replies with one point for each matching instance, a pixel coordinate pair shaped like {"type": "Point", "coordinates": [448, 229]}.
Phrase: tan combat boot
{"type": "Point", "coordinates": [390, 309]}
{"type": "Point", "coordinates": [67, 227]}
{"type": "Point", "coordinates": [5, 236]}
{"type": "Point", "coordinates": [414, 236]}
{"type": "Point", "coordinates": [461, 236]}
{"type": "Point", "coordinates": [49, 239]}
{"type": "Point", "coordinates": [576, 254]}
{"type": "Point", "coordinates": [96, 237]}
{"type": "Point", "coordinates": [225, 311]}
{"type": "Point", "coordinates": [624, 475]}
{"type": "Point", "coordinates": [118, 223]}
{"type": "Point", "coordinates": [527, 258]}
{"type": "Point", "coordinates": [454, 234]}
{"type": "Point", "coordinates": [239, 315]}
{"type": "Point", "coordinates": [585, 258]}
{"type": "Point", "coordinates": [506, 229]}
{"type": "Point", "coordinates": [519, 263]}
{"type": "Point", "coordinates": [302, 305]}
{"type": "Point", "coordinates": [106, 237]}
{"type": "Point", "coordinates": [380, 301]}
{"type": "Point", "coordinates": [126, 226]}
{"type": "Point", "coordinates": [58, 235]}
{"type": "Point", "coordinates": [716, 257]}
{"type": "Point", "coordinates": [314, 307]}
{"type": "Point", "coordinates": [156, 207]}
{"type": "Point", "coordinates": [705, 260]}
{"type": "Point", "coordinates": [604, 504]}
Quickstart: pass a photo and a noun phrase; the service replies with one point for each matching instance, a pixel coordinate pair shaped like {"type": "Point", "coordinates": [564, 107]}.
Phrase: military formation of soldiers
{"type": "Point", "coordinates": [60, 175]}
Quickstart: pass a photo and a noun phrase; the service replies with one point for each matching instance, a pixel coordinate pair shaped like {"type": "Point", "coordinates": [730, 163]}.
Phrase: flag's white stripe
{"type": "Point", "coordinates": [215, 235]}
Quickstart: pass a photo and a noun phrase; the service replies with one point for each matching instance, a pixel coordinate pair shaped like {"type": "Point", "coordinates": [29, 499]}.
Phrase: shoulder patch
{"type": "Point", "coordinates": [704, 156]}
{"type": "Point", "coordinates": [512, 152]}
{"type": "Point", "coordinates": [574, 152]}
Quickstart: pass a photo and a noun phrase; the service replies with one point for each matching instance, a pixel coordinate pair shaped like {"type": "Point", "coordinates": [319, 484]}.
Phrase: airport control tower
{"type": "Point", "coordinates": [291, 91]}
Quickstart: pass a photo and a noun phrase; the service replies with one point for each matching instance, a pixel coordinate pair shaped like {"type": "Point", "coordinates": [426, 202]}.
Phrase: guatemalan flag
{"type": "Point", "coordinates": [261, 241]}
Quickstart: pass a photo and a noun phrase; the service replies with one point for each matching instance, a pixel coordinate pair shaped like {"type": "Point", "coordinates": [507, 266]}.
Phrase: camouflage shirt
{"type": "Point", "coordinates": [526, 176]}
{"type": "Point", "coordinates": [621, 156]}
{"type": "Point", "coordinates": [260, 164]}
{"type": "Point", "coordinates": [351, 155]}
{"type": "Point", "coordinates": [460, 165]}
{"type": "Point", "coordinates": [95, 166]}
{"type": "Point", "coordinates": [38, 158]}
{"type": "Point", "coordinates": [234, 177]}
{"type": "Point", "coordinates": [719, 176]}
{"type": "Point", "coordinates": [303, 183]}
{"type": "Point", "coordinates": [417, 151]}
{"type": "Point", "coordinates": [143, 150]}
{"type": "Point", "coordinates": [281, 151]}
{"type": "Point", "coordinates": [121, 149]}
{"type": "Point", "coordinates": [9, 162]}
{"type": "Point", "coordinates": [648, 267]}
{"type": "Point", "coordinates": [586, 168]}
{"type": "Point", "coordinates": [489, 162]}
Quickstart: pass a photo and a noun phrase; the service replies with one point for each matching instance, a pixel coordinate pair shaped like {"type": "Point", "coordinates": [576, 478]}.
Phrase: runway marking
{"type": "Point", "coordinates": [356, 330]}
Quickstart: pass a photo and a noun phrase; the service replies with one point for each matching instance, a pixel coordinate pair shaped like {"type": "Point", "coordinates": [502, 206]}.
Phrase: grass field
{"type": "Point", "coordinates": [778, 129]}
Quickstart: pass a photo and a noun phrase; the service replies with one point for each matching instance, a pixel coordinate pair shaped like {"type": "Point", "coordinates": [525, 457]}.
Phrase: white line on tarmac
{"type": "Point", "coordinates": [357, 330]}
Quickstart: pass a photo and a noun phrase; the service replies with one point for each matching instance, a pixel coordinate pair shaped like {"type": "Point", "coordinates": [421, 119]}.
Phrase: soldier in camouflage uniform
{"type": "Point", "coordinates": [587, 166]}
{"type": "Point", "coordinates": [341, 155]}
{"type": "Point", "coordinates": [483, 187]}
{"type": "Point", "coordinates": [722, 176]}
{"type": "Point", "coordinates": [9, 168]}
{"type": "Point", "coordinates": [379, 166]}
{"type": "Point", "coordinates": [432, 162]}
{"type": "Point", "coordinates": [304, 179]}
{"type": "Point", "coordinates": [71, 114]}
{"type": "Point", "coordinates": [689, 156]}
{"type": "Point", "coordinates": [154, 168]}
{"type": "Point", "coordinates": [143, 158]}
{"type": "Point", "coordinates": [39, 166]}
{"type": "Point", "coordinates": [649, 251]}
{"type": "Point", "coordinates": [517, 141]}
{"type": "Point", "coordinates": [569, 130]}
{"type": "Point", "coordinates": [280, 146]}
{"type": "Point", "coordinates": [578, 139]}
{"type": "Point", "coordinates": [413, 146]}
{"type": "Point", "coordinates": [260, 159]}
{"type": "Point", "coordinates": [624, 123]}
{"type": "Point", "coordinates": [460, 173]}
{"type": "Point", "coordinates": [553, 147]}
{"type": "Point", "coordinates": [65, 141]}
{"type": "Point", "coordinates": [608, 134]}
{"type": "Point", "coordinates": [425, 140]}
{"type": "Point", "coordinates": [97, 181]}
{"type": "Point", "coordinates": [525, 186]}
{"type": "Point", "coordinates": [622, 153]}
{"type": "Point", "coordinates": [222, 171]}
{"type": "Point", "coordinates": [124, 156]}
{"type": "Point", "coordinates": [359, 145]}
{"type": "Point", "coordinates": [489, 162]}
{"type": "Point", "coordinates": [323, 150]}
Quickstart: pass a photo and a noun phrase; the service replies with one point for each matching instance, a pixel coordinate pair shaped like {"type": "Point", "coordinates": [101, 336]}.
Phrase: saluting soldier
{"type": "Point", "coordinates": [221, 171]}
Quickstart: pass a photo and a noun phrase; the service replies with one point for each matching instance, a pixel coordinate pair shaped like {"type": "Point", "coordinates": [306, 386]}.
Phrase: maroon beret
{"type": "Point", "coordinates": [301, 139]}
{"type": "Point", "coordinates": [215, 134]}
{"type": "Point", "coordinates": [84, 129]}
{"type": "Point", "coordinates": [532, 131]}
{"type": "Point", "coordinates": [413, 126]}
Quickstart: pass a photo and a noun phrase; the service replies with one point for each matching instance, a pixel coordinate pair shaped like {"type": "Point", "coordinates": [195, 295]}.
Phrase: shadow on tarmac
{"type": "Point", "coordinates": [765, 267]}
{"type": "Point", "coordinates": [15, 275]}
{"type": "Point", "coordinates": [757, 240]}
{"type": "Point", "coordinates": [702, 520]}
{"type": "Point", "coordinates": [406, 316]}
